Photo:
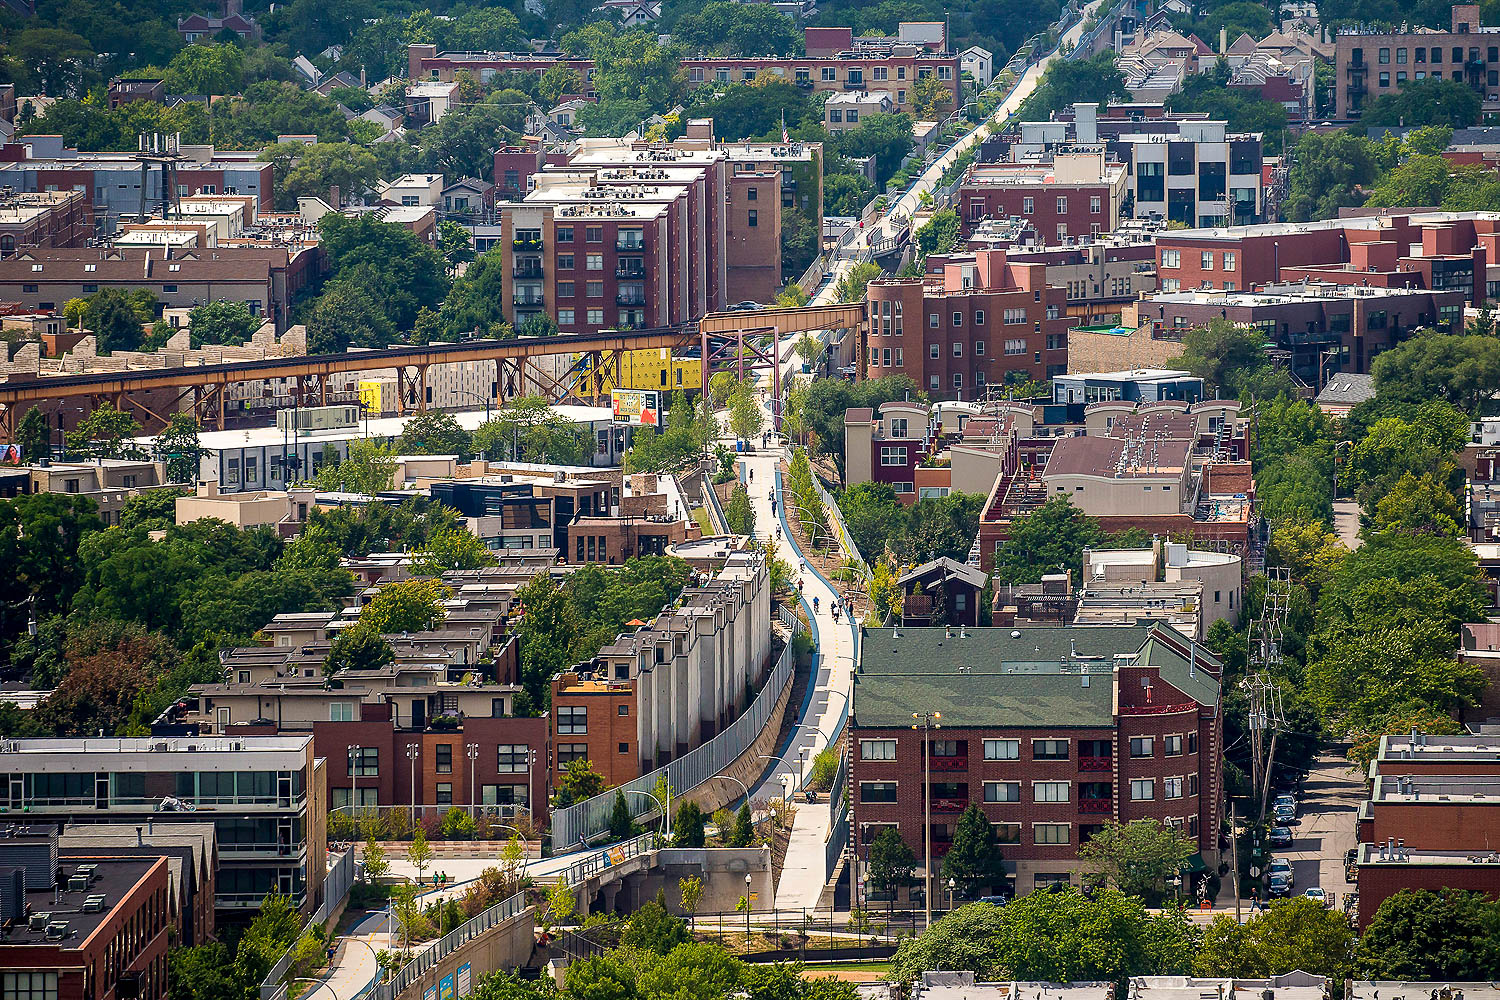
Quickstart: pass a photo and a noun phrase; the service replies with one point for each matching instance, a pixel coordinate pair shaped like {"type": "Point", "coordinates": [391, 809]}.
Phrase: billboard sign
{"type": "Point", "coordinates": [637, 406]}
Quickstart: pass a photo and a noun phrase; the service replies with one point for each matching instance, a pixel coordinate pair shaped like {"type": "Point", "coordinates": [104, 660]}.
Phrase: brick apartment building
{"type": "Point", "coordinates": [1052, 731]}
{"type": "Point", "coordinates": [977, 321]}
{"type": "Point", "coordinates": [1372, 62]}
{"type": "Point", "coordinates": [1458, 251]}
{"type": "Point", "coordinates": [888, 445]}
{"type": "Point", "coordinates": [43, 219]}
{"type": "Point", "coordinates": [111, 182]}
{"type": "Point", "coordinates": [1324, 328]}
{"type": "Point", "coordinates": [834, 60]}
{"type": "Point", "coordinates": [1426, 825]}
{"type": "Point", "coordinates": [84, 928]}
{"type": "Point", "coordinates": [1077, 193]}
{"type": "Point", "coordinates": [663, 689]}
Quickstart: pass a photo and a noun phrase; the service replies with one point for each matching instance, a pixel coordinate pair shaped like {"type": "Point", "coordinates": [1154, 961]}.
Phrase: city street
{"type": "Point", "coordinates": [1325, 829]}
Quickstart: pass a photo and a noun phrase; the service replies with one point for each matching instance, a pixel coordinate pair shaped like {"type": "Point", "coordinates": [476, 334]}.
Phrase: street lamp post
{"type": "Point", "coordinates": [413, 754]}
{"type": "Point", "coordinates": [354, 786]}
{"type": "Point", "coordinates": [748, 882]}
{"type": "Point", "coordinates": [662, 831]}
{"type": "Point", "coordinates": [927, 721]}
{"type": "Point", "coordinates": [473, 754]}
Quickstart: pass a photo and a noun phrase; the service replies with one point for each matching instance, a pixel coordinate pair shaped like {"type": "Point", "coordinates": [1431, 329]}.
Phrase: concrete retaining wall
{"type": "Point", "coordinates": [507, 945]}
{"type": "Point", "coordinates": [748, 766]}
{"type": "Point", "coordinates": [723, 871]}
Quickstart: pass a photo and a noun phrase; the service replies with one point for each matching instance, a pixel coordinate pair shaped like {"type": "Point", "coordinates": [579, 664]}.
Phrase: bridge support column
{"type": "Point", "coordinates": [611, 897]}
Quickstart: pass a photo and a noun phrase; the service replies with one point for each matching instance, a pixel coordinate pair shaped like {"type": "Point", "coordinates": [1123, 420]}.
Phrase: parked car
{"type": "Point", "coordinates": [1319, 894]}
{"type": "Point", "coordinates": [1281, 836]}
{"type": "Point", "coordinates": [745, 305]}
{"type": "Point", "coordinates": [1281, 885]}
{"type": "Point", "coordinates": [1351, 869]}
{"type": "Point", "coordinates": [1287, 800]}
{"type": "Point", "coordinates": [1280, 871]}
{"type": "Point", "coordinates": [993, 900]}
{"type": "Point", "coordinates": [1286, 815]}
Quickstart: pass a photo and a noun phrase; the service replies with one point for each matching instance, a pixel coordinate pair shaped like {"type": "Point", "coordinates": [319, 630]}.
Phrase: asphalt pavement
{"type": "Point", "coordinates": [1326, 825]}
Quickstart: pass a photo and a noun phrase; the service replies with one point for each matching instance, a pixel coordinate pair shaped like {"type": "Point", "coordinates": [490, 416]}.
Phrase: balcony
{"type": "Point", "coordinates": [627, 272]}
{"type": "Point", "coordinates": [527, 299]}
{"type": "Point", "coordinates": [530, 269]}
{"type": "Point", "coordinates": [630, 246]}
{"type": "Point", "coordinates": [521, 243]}
{"type": "Point", "coordinates": [1094, 807]}
{"type": "Point", "coordinates": [948, 763]}
{"type": "Point", "coordinates": [854, 85]}
{"type": "Point", "coordinates": [1095, 763]}
{"type": "Point", "coordinates": [949, 805]}
{"type": "Point", "coordinates": [630, 297]}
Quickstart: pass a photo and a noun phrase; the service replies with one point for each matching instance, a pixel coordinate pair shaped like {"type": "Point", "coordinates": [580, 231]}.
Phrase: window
{"type": "Point", "coordinates": [572, 720]}
{"type": "Point", "coordinates": [958, 380]}
{"type": "Point", "coordinates": [893, 456]}
{"type": "Point", "coordinates": [1002, 749]}
{"type": "Point", "coordinates": [340, 711]}
{"type": "Point", "coordinates": [958, 349]}
{"type": "Point", "coordinates": [752, 194]}
{"type": "Point", "coordinates": [1062, 204]}
{"type": "Point", "coordinates": [445, 758]}
{"type": "Point", "coordinates": [1385, 79]}
{"type": "Point", "coordinates": [444, 794]}
{"type": "Point", "coordinates": [1142, 746]}
{"type": "Point", "coordinates": [1028, 205]}
{"type": "Point", "coordinates": [28, 986]}
{"type": "Point", "coordinates": [877, 791]}
{"type": "Point", "coordinates": [1002, 791]}
{"type": "Point", "coordinates": [1049, 749]}
{"type": "Point", "coordinates": [1208, 260]}
{"type": "Point", "coordinates": [1095, 205]}
{"type": "Point", "coordinates": [90, 288]}
{"type": "Point", "coordinates": [979, 319]}
{"type": "Point", "coordinates": [877, 749]}
{"type": "Point", "coordinates": [1230, 259]}
{"type": "Point", "coordinates": [567, 753]}
{"type": "Point", "coordinates": [1171, 285]}
{"type": "Point", "coordinates": [1014, 347]}
{"type": "Point", "coordinates": [1173, 746]}
{"type": "Point", "coordinates": [596, 317]}
{"type": "Point", "coordinates": [593, 289]}
{"type": "Point", "coordinates": [1171, 788]}
{"type": "Point", "coordinates": [934, 351]}
{"type": "Point", "coordinates": [932, 320]}
{"type": "Point", "coordinates": [979, 348]}
{"type": "Point", "coordinates": [1007, 833]}
{"type": "Point", "coordinates": [1051, 833]}
{"type": "Point", "coordinates": [1171, 258]}
{"type": "Point", "coordinates": [753, 217]}
{"type": "Point", "coordinates": [594, 262]}
{"type": "Point", "coordinates": [565, 317]}
{"type": "Point", "coordinates": [958, 318]}
{"type": "Point", "coordinates": [1385, 56]}
{"type": "Point", "coordinates": [364, 762]}
{"type": "Point", "coordinates": [828, 74]}
{"type": "Point", "coordinates": [1057, 341]}
{"type": "Point", "coordinates": [1142, 789]}
{"type": "Point", "coordinates": [593, 234]}
{"type": "Point", "coordinates": [564, 234]}
{"type": "Point", "coordinates": [1050, 791]}
{"type": "Point", "coordinates": [1014, 317]}
{"type": "Point", "coordinates": [565, 262]}
{"type": "Point", "coordinates": [1401, 57]}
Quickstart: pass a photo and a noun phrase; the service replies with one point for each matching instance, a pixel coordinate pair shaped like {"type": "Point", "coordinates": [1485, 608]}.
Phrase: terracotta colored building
{"type": "Point", "coordinates": [1076, 194]}
{"type": "Point", "coordinates": [1052, 731]}
{"type": "Point", "coordinates": [976, 320]}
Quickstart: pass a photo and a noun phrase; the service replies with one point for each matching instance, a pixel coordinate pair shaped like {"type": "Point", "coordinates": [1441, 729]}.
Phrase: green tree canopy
{"type": "Point", "coordinates": [974, 862]}
{"type": "Point", "coordinates": [1428, 101]}
{"type": "Point", "coordinates": [1420, 935]}
{"type": "Point", "coordinates": [1293, 934]}
{"type": "Point", "coordinates": [1139, 858]}
{"type": "Point", "coordinates": [1328, 171]}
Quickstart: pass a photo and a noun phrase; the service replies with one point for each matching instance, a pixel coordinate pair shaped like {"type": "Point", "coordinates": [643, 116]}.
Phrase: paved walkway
{"type": "Point", "coordinates": [1346, 523]}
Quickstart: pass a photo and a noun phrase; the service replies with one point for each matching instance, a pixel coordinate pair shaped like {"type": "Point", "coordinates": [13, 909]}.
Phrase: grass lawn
{"type": "Point", "coordinates": [854, 972]}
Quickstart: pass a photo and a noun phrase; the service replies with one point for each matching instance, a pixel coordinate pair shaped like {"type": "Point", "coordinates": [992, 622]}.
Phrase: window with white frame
{"type": "Point", "coordinates": [1062, 204]}
{"type": "Point", "coordinates": [1002, 749]}
{"type": "Point", "coordinates": [1014, 317]}
{"type": "Point", "coordinates": [958, 350]}
{"type": "Point", "coordinates": [1050, 791]}
{"type": "Point", "coordinates": [893, 455]}
{"type": "Point", "coordinates": [877, 749]}
{"type": "Point", "coordinates": [1230, 260]}
{"type": "Point", "coordinates": [1051, 833]}
{"type": "Point", "coordinates": [1171, 788]}
{"type": "Point", "coordinates": [1171, 258]}
{"type": "Point", "coordinates": [1014, 347]}
{"type": "Point", "coordinates": [1208, 260]}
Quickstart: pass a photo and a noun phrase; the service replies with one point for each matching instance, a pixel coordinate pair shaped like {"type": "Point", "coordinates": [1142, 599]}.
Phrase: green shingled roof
{"type": "Point", "coordinates": [1011, 677]}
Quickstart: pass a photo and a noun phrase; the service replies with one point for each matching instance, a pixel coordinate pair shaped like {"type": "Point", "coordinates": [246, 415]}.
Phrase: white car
{"type": "Point", "coordinates": [1320, 895]}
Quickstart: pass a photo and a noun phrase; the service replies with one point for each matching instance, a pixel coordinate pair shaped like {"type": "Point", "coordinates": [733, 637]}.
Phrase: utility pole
{"type": "Point", "coordinates": [927, 721]}
{"type": "Point", "coordinates": [1265, 712]}
{"type": "Point", "coordinates": [1234, 856]}
{"type": "Point", "coordinates": [473, 755]}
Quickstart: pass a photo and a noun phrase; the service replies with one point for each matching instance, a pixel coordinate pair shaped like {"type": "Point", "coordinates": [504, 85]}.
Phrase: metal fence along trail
{"type": "Point", "coordinates": [336, 886]}
{"type": "Point", "coordinates": [582, 821]}
{"type": "Point", "coordinates": [447, 944]}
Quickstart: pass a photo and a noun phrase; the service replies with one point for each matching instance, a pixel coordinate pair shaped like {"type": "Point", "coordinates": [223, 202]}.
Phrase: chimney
{"type": "Point", "coordinates": [334, 200]}
{"type": "Point", "coordinates": [1223, 41]}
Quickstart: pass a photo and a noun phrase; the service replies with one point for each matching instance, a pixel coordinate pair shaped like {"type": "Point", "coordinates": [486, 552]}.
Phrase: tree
{"type": "Point", "coordinates": [1307, 548]}
{"type": "Point", "coordinates": [851, 287]}
{"type": "Point", "coordinates": [974, 861]}
{"type": "Point", "coordinates": [448, 548]}
{"type": "Point", "coordinates": [527, 428]}
{"type": "Point", "coordinates": [1068, 82]}
{"type": "Point", "coordinates": [559, 79]}
{"type": "Point", "coordinates": [744, 827]}
{"type": "Point", "coordinates": [1232, 359]}
{"type": "Point", "coordinates": [691, 890]}
{"type": "Point", "coordinates": [313, 171]}
{"type": "Point", "coordinates": [97, 692]}
{"type": "Point", "coordinates": [222, 321]}
{"type": "Point", "coordinates": [652, 929]}
{"type": "Point", "coordinates": [1328, 171]}
{"type": "Point", "coordinates": [405, 606]}
{"type": "Point", "coordinates": [485, 29]}
{"type": "Point", "coordinates": [34, 435]}
{"type": "Point", "coordinates": [738, 511]}
{"type": "Point", "coordinates": [687, 827]}
{"type": "Point", "coordinates": [580, 781]}
{"type": "Point", "coordinates": [721, 27]}
{"type": "Point", "coordinates": [263, 111]}
{"type": "Point", "coordinates": [1245, 111]}
{"type": "Point", "coordinates": [1293, 934]}
{"type": "Point", "coordinates": [891, 864]}
{"type": "Point", "coordinates": [1429, 101]}
{"type": "Point", "coordinates": [621, 823]}
{"type": "Point", "coordinates": [930, 98]}
{"type": "Point", "coordinates": [1421, 935]}
{"type": "Point", "coordinates": [1048, 540]}
{"type": "Point", "coordinates": [56, 59]}
{"type": "Point", "coordinates": [745, 415]}
{"type": "Point", "coordinates": [634, 66]}
{"type": "Point", "coordinates": [1418, 505]}
{"type": "Point", "coordinates": [549, 626]}
{"type": "Point", "coordinates": [369, 469]}
{"type": "Point", "coordinates": [177, 445]}
{"type": "Point", "coordinates": [455, 243]}
{"type": "Point", "coordinates": [358, 647]}
{"type": "Point", "coordinates": [374, 859]}
{"type": "Point", "coordinates": [419, 853]}
{"type": "Point", "coordinates": [343, 317]}
{"type": "Point", "coordinates": [473, 306]}
{"type": "Point", "coordinates": [1052, 937]}
{"type": "Point", "coordinates": [885, 136]}
{"type": "Point", "coordinates": [111, 316]}
{"type": "Point", "coordinates": [102, 433]}
{"type": "Point", "coordinates": [1138, 857]}
{"type": "Point", "coordinates": [434, 433]}
{"type": "Point", "coordinates": [938, 234]}
{"type": "Point", "coordinates": [1461, 369]}
{"type": "Point", "coordinates": [387, 260]}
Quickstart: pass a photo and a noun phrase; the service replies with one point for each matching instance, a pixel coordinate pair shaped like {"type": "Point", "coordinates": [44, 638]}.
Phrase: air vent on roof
{"type": "Point", "coordinates": [57, 930]}
{"type": "Point", "coordinates": [94, 903]}
{"type": "Point", "coordinates": [39, 921]}
{"type": "Point", "coordinates": [78, 883]}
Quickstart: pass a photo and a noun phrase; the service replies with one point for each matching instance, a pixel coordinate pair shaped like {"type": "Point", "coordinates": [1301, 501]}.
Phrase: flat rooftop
{"type": "Point", "coordinates": [1439, 748]}
{"type": "Point", "coordinates": [1276, 295]}
{"type": "Point", "coordinates": [1409, 789]}
{"type": "Point", "coordinates": [113, 878]}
